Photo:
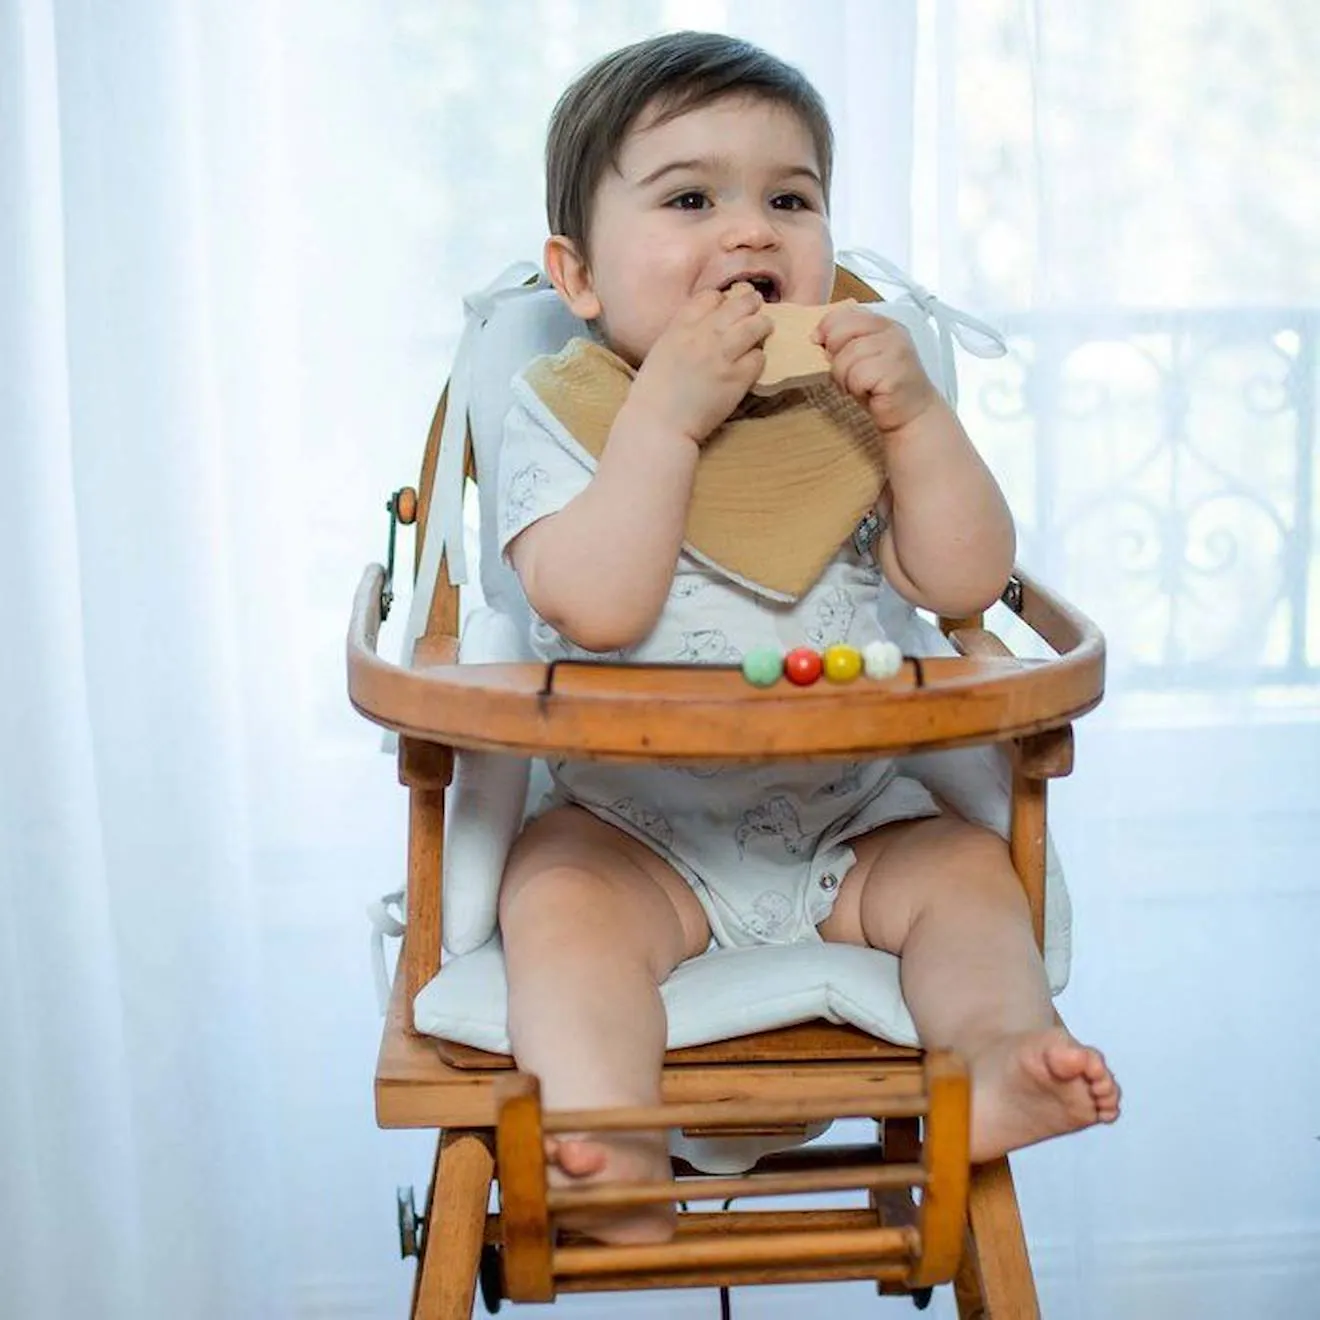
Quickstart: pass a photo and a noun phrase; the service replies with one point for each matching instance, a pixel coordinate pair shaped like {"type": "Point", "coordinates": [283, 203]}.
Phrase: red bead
{"type": "Point", "coordinates": [802, 666]}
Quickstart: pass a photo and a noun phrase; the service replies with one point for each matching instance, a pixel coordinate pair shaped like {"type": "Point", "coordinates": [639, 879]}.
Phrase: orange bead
{"type": "Point", "coordinates": [405, 505]}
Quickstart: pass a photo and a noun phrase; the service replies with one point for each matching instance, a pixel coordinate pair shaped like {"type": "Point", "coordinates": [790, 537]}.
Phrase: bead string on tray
{"type": "Point", "coordinates": [764, 666]}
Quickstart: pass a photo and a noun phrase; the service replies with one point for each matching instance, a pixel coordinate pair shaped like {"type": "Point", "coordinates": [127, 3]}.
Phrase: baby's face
{"type": "Point", "coordinates": [725, 192]}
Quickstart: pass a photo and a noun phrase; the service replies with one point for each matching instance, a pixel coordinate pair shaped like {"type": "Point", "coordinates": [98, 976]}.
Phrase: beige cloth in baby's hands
{"type": "Point", "coordinates": [779, 487]}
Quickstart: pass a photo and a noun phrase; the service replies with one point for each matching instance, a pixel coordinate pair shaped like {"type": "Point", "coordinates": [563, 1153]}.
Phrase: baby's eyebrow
{"type": "Point", "coordinates": [715, 164]}
{"type": "Point", "coordinates": [683, 167]}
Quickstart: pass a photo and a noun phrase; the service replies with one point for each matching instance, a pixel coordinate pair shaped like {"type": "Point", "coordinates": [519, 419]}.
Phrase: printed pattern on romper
{"type": "Point", "coordinates": [834, 618]}
{"type": "Point", "coordinates": [771, 912]}
{"type": "Point", "coordinates": [775, 819]}
{"type": "Point", "coordinates": [651, 823]}
{"type": "Point", "coordinates": [848, 782]}
{"type": "Point", "coordinates": [708, 646]}
{"type": "Point", "coordinates": [520, 495]}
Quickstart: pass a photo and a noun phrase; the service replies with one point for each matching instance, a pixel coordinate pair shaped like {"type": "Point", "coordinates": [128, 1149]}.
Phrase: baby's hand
{"type": "Point", "coordinates": [705, 361]}
{"type": "Point", "coordinates": [874, 359]}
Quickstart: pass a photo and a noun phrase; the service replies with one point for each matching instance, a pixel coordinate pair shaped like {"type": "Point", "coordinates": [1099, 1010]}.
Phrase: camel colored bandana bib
{"type": "Point", "coordinates": [779, 487]}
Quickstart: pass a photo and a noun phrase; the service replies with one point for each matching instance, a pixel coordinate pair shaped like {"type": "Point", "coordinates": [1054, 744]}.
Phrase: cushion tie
{"type": "Point", "coordinates": [978, 337]}
{"type": "Point", "coordinates": [383, 924]}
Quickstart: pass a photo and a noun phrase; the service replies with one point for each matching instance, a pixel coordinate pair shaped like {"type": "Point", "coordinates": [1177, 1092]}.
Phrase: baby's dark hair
{"type": "Point", "coordinates": [680, 71]}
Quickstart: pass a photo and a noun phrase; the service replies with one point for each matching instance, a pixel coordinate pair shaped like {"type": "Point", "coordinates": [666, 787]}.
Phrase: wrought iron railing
{"type": "Point", "coordinates": [1161, 464]}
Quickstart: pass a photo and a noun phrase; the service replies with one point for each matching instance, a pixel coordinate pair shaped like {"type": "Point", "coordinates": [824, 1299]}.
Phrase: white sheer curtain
{"type": "Point", "coordinates": [232, 241]}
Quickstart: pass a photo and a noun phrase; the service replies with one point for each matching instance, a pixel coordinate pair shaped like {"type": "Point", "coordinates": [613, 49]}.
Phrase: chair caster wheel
{"type": "Point", "coordinates": [410, 1240]}
{"type": "Point", "coordinates": [921, 1297]}
{"type": "Point", "coordinates": [488, 1276]}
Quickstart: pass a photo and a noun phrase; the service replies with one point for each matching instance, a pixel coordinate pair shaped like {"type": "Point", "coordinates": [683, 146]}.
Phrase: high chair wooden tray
{"type": "Point", "coordinates": [625, 712]}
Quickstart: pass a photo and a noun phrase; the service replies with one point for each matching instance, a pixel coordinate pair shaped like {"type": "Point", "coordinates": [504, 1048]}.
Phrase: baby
{"type": "Point", "coordinates": [688, 184]}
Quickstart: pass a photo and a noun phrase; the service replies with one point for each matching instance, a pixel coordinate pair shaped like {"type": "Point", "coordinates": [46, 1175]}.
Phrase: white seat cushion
{"type": "Point", "coordinates": [721, 993]}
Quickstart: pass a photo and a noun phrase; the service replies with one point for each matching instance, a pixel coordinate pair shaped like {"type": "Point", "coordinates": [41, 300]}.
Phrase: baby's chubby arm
{"type": "Point", "coordinates": [599, 570]}
{"type": "Point", "coordinates": [950, 542]}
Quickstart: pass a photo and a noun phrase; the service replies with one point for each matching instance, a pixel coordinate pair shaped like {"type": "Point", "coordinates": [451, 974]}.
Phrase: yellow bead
{"type": "Point", "coordinates": [842, 663]}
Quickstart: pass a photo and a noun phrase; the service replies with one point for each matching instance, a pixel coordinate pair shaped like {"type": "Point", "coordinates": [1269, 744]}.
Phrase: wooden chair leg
{"type": "Point", "coordinates": [446, 1282]}
{"type": "Point", "coordinates": [994, 1280]}
{"type": "Point", "coordinates": [967, 1290]}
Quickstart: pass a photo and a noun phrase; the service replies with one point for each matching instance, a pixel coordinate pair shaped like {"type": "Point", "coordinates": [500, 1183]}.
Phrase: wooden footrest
{"type": "Point", "coordinates": [742, 1249]}
{"type": "Point", "coordinates": [746, 1247]}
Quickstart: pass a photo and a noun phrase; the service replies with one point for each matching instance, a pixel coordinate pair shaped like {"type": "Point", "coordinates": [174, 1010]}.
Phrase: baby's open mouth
{"type": "Point", "coordinates": [766, 285]}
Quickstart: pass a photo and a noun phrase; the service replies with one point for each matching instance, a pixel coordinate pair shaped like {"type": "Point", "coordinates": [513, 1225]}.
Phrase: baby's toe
{"type": "Point", "coordinates": [1067, 1060]}
{"type": "Point", "coordinates": [578, 1159]}
{"type": "Point", "coordinates": [1096, 1070]}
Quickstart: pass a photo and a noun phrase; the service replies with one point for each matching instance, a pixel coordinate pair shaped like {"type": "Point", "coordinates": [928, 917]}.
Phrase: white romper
{"type": "Point", "coordinates": [763, 847]}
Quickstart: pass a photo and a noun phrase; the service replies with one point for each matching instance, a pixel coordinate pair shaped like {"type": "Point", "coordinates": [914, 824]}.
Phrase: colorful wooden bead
{"type": "Point", "coordinates": [882, 659]}
{"type": "Point", "coordinates": [762, 666]}
{"type": "Point", "coordinates": [802, 666]}
{"type": "Point", "coordinates": [842, 663]}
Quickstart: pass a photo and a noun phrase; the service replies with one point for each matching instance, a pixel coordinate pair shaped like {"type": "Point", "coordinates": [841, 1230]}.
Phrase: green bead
{"type": "Point", "coordinates": [762, 666]}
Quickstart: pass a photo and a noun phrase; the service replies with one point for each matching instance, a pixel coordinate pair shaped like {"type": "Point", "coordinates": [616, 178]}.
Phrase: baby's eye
{"type": "Point", "coordinates": [692, 200]}
{"type": "Point", "coordinates": [790, 202]}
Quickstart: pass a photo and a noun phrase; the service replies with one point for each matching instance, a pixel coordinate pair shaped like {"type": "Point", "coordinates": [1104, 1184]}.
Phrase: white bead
{"type": "Point", "coordinates": [881, 659]}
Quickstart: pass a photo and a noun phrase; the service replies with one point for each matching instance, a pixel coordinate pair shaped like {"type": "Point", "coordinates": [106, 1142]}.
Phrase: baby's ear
{"type": "Point", "coordinates": [571, 277]}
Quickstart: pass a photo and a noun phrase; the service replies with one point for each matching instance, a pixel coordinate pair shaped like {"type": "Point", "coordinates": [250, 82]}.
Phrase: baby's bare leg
{"type": "Point", "coordinates": [943, 895]}
{"type": "Point", "coordinates": [592, 923]}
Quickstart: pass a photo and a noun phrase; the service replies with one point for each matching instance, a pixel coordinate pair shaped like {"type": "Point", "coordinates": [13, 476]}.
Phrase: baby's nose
{"type": "Point", "coordinates": [749, 227]}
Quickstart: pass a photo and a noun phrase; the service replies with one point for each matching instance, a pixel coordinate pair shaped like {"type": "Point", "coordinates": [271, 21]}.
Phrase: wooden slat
{"type": "Point", "coordinates": [955, 623]}
{"type": "Point", "coordinates": [999, 1245]}
{"type": "Point", "coordinates": [525, 1220]}
{"type": "Point", "coordinates": [967, 1292]}
{"type": "Point", "coordinates": [805, 1042]}
{"type": "Point", "coordinates": [455, 1225]}
{"type": "Point", "coordinates": [748, 1111]}
{"type": "Point", "coordinates": [426, 479]}
{"type": "Point", "coordinates": [1026, 845]}
{"type": "Point", "coordinates": [738, 1251]}
{"type": "Point", "coordinates": [840, 1155]}
{"type": "Point", "coordinates": [1057, 623]}
{"type": "Point", "coordinates": [431, 1206]}
{"type": "Point", "coordinates": [703, 1223]}
{"type": "Point", "coordinates": [425, 764]}
{"type": "Point", "coordinates": [442, 618]}
{"type": "Point", "coordinates": [1047, 755]}
{"type": "Point", "coordinates": [975, 640]}
{"type": "Point", "coordinates": [945, 1153]}
{"type": "Point", "coordinates": [421, 941]}
{"type": "Point", "coordinates": [803, 1182]}
{"type": "Point", "coordinates": [711, 1277]}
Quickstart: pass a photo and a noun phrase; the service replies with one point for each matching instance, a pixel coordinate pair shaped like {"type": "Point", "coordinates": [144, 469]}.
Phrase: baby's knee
{"type": "Point", "coordinates": [553, 892]}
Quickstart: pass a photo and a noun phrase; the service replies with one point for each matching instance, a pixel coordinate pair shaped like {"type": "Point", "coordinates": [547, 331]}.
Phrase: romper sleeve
{"type": "Point", "coordinates": [536, 477]}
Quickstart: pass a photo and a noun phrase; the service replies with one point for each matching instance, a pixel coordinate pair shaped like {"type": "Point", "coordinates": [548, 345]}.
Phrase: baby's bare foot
{"type": "Point", "coordinates": [588, 1161]}
{"type": "Point", "coordinates": [1039, 1084]}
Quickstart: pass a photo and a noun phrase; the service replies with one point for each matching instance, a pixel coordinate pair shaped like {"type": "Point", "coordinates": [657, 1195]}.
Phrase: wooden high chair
{"type": "Point", "coordinates": [929, 1218]}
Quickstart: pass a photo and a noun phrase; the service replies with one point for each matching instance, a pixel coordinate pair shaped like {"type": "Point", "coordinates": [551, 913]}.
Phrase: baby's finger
{"type": "Point", "coordinates": [853, 323]}
{"type": "Point", "coordinates": [838, 316]}
{"type": "Point", "coordinates": [744, 334]}
{"type": "Point", "coordinates": [865, 378]}
{"type": "Point", "coordinates": [700, 305]}
{"type": "Point", "coordinates": [741, 300]}
{"type": "Point", "coordinates": [863, 348]}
